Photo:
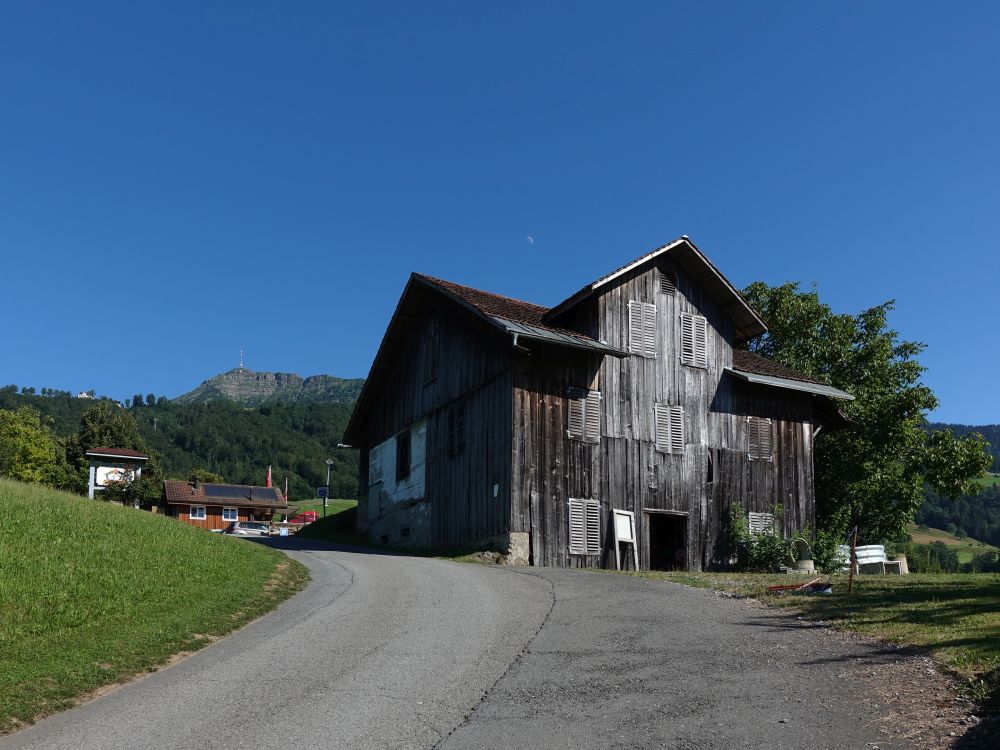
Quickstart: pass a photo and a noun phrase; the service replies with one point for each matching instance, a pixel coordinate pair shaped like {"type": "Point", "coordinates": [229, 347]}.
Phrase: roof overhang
{"type": "Point", "coordinates": [117, 456]}
{"type": "Point", "coordinates": [747, 323]}
{"type": "Point", "coordinates": [535, 333]}
{"type": "Point", "coordinates": [791, 385]}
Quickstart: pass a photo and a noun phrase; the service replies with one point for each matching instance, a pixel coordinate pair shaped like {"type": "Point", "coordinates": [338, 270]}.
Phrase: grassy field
{"type": "Point", "coordinates": [93, 594]}
{"type": "Point", "coordinates": [333, 507]}
{"type": "Point", "coordinates": [989, 479]}
{"type": "Point", "coordinates": [953, 618]}
{"type": "Point", "coordinates": [965, 548]}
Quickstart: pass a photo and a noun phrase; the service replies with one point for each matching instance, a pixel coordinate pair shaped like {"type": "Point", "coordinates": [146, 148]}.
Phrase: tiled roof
{"type": "Point", "coordinates": [126, 452]}
{"type": "Point", "coordinates": [245, 495]}
{"type": "Point", "coordinates": [493, 304]}
{"type": "Point", "coordinates": [755, 363]}
{"type": "Point", "coordinates": [508, 308]}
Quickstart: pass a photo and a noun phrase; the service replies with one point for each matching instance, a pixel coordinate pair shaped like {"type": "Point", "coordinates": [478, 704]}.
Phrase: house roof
{"type": "Point", "coordinates": [686, 254]}
{"type": "Point", "coordinates": [118, 453]}
{"type": "Point", "coordinates": [757, 369]}
{"type": "Point", "coordinates": [179, 492]}
{"type": "Point", "coordinates": [524, 319]}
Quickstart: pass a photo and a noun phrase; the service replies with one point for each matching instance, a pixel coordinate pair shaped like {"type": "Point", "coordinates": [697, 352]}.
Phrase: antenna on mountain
{"type": "Point", "coordinates": [241, 359]}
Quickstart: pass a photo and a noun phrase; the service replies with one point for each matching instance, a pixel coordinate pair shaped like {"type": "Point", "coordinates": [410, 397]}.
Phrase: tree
{"type": "Point", "coordinates": [870, 474]}
{"type": "Point", "coordinates": [198, 474]}
{"type": "Point", "coordinates": [28, 449]}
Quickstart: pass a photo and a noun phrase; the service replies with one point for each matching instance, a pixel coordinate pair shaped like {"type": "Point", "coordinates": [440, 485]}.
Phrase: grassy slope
{"type": "Point", "coordinates": [954, 618]}
{"type": "Point", "coordinates": [965, 548]}
{"type": "Point", "coordinates": [333, 507]}
{"type": "Point", "coordinates": [94, 593]}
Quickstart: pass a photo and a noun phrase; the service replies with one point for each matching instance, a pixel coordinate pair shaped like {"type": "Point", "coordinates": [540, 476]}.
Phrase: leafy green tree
{"type": "Point", "coordinates": [198, 474]}
{"type": "Point", "coordinates": [150, 399]}
{"type": "Point", "coordinates": [28, 449]}
{"type": "Point", "coordinates": [870, 474]}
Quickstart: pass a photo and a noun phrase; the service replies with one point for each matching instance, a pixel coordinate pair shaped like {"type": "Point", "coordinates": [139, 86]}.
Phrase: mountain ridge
{"type": "Point", "coordinates": [249, 388]}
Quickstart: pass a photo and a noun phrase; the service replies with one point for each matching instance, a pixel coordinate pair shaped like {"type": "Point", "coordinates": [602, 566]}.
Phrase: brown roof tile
{"type": "Point", "coordinates": [755, 363]}
{"type": "Point", "coordinates": [179, 492]}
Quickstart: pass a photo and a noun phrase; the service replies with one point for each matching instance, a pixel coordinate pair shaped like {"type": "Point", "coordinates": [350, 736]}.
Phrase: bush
{"type": "Point", "coordinates": [826, 553]}
{"type": "Point", "coordinates": [758, 553]}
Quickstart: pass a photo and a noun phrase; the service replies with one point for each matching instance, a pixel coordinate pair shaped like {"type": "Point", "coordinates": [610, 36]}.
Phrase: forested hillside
{"type": "Point", "coordinates": [231, 440]}
{"type": "Point", "coordinates": [977, 516]}
{"type": "Point", "coordinates": [989, 431]}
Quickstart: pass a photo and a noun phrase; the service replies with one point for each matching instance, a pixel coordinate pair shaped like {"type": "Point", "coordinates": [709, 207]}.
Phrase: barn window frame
{"type": "Point", "coordinates": [668, 282]}
{"type": "Point", "coordinates": [197, 512]}
{"type": "Point", "coordinates": [583, 419]}
{"type": "Point", "coordinates": [584, 520]}
{"type": "Point", "coordinates": [668, 426]}
{"type": "Point", "coordinates": [760, 439]}
{"type": "Point", "coordinates": [694, 340]}
{"type": "Point", "coordinates": [642, 329]}
{"type": "Point", "coordinates": [403, 456]}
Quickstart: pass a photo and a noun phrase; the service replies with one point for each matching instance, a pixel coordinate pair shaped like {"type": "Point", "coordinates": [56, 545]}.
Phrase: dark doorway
{"type": "Point", "coordinates": [667, 541]}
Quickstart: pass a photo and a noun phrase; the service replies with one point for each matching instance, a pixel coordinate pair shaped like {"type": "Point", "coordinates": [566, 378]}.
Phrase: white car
{"type": "Point", "coordinates": [247, 528]}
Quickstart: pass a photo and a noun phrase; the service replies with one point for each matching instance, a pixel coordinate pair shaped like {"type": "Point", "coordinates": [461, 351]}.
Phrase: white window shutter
{"type": "Point", "coordinates": [575, 424]}
{"type": "Point", "coordinates": [577, 528]}
{"type": "Point", "coordinates": [760, 523]}
{"type": "Point", "coordinates": [687, 339]}
{"type": "Point", "coordinates": [700, 341]}
{"type": "Point", "coordinates": [649, 330]}
{"type": "Point", "coordinates": [635, 328]}
{"type": "Point", "coordinates": [592, 417]}
{"type": "Point", "coordinates": [593, 527]}
{"type": "Point", "coordinates": [759, 437]}
{"type": "Point", "coordinates": [668, 283]}
{"type": "Point", "coordinates": [676, 429]}
{"type": "Point", "coordinates": [669, 428]}
{"type": "Point", "coordinates": [661, 415]}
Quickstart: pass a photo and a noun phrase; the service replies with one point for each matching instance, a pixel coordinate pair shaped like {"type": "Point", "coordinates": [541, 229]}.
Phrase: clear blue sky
{"type": "Point", "coordinates": [180, 180]}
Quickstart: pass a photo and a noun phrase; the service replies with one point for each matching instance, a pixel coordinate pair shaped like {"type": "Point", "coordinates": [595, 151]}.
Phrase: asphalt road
{"type": "Point", "coordinates": [395, 652]}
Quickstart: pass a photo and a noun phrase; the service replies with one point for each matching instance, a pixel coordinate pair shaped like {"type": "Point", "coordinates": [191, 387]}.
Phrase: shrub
{"type": "Point", "coordinates": [758, 553]}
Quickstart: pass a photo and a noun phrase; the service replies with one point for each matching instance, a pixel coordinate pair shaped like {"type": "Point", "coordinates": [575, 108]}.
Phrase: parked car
{"type": "Point", "coordinates": [247, 528]}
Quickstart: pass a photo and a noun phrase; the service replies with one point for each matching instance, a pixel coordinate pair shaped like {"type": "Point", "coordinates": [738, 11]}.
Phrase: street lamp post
{"type": "Point", "coordinates": [329, 463]}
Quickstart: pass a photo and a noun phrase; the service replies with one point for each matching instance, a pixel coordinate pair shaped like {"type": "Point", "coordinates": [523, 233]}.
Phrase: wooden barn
{"type": "Point", "coordinates": [215, 506]}
{"type": "Point", "coordinates": [485, 418]}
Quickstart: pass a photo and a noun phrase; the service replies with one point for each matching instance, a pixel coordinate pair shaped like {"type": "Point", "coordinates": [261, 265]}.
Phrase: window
{"type": "Point", "coordinates": [759, 439]}
{"type": "Point", "coordinates": [584, 421]}
{"type": "Point", "coordinates": [403, 456]}
{"type": "Point", "coordinates": [230, 514]}
{"type": "Point", "coordinates": [431, 348]}
{"type": "Point", "coordinates": [760, 523]}
{"type": "Point", "coordinates": [694, 340]}
{"type": "Point", "coordinates": [669, 428]}
{"type": "Point", "coordinates": [668, 282]}
{"type": "Point", "coordinates": [642, 329]}
{"type": "Point", "coordinates": [197, 513]}
{"type": "Point", "coordinates": [584, 527]}
{"type": "Point", "coordinates": [456, 430]}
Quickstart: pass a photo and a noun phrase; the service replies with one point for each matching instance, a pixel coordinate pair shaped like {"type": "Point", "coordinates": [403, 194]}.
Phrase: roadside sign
{"type": "Point", "coordinates": [323, 491]}
{"type": "Point", "coordinates": [283, 531]}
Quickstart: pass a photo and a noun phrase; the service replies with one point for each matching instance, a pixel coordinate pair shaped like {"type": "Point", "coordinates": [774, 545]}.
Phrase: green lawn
{"type": "Point", "coordinates": [966, 548]}
{"type": "Point", "coordinates": [94, 594]}
{"type": "Point", "coordinates": [333, 507]}
{"type": "Point", "coordinates": [989, 479]}
{"type": "Point", "coordinates": [954, 618]}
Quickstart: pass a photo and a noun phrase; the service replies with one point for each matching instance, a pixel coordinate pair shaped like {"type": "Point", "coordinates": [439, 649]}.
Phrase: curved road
{"type": "Point", "coordinates": [396, 652]}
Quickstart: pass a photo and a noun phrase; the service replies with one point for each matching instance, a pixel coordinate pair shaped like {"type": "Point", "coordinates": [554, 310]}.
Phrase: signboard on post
{"type": "Point", "coordinates": [323, 491]}
{"type": "Point", "coordinates": [625, 533]}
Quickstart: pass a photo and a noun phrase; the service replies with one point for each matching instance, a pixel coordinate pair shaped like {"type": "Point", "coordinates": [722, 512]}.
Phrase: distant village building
{"type": "Point", "coordinates": [488, 418]}
{"type": "Point", "coordinates": [113, 465]}
{"type": "Point", "coordinates": [215, 506]}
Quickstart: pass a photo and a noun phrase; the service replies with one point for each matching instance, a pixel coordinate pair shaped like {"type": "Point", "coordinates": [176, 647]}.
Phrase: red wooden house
{"type": "Point", "coordinates": [215, 506]}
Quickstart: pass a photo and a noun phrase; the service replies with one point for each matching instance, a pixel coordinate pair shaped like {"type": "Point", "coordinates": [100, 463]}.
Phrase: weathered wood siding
{"type": "Point", "coordinates": [468, 493]}
{"type": "Point", "coordinates": [625, 470]}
